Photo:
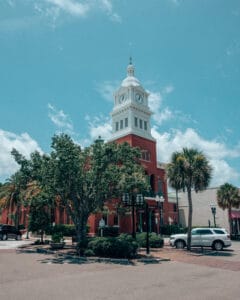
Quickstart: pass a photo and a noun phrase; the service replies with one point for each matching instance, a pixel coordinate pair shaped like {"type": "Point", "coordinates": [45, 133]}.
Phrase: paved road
{"type": "Point", "coordinates": [41, 276]}
{"type": "Point", "coordinates": [13, 244]}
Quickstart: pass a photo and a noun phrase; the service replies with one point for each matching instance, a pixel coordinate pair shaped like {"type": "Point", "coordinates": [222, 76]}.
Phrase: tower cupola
{"type": "Point", "coordinates": [131, 113]}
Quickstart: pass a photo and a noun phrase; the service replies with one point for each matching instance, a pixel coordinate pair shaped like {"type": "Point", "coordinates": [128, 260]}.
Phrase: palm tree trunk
{"type": "Point", "coordinates": [190, 210]}
{"type": "Point", "coordinates": [230, 220]}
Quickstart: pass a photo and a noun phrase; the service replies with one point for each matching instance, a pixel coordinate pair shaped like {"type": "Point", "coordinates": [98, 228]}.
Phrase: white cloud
{"type": "Point", "coordinates": [74, 8]}
{"type": "Point", "coordinates": [54, 10]}
{"type": "Point", "coordinates": [99, 126]}
{"type": "Point", "coordinates": [155, 103]}
{"type": "Point", "coordinates": [106, 89]}
{"type": "Point", "coordinates": [217, 152]}
{"type": "Point", "coordinates": [23, 143]}
{"type": "Point", "coordinates": [60, 119]}
{"type": "Point", "coordinates": [107, 6]}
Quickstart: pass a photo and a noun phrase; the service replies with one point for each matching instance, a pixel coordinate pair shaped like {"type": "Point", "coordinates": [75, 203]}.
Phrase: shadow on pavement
{"type": "Point", "coordinates": [210, 252]}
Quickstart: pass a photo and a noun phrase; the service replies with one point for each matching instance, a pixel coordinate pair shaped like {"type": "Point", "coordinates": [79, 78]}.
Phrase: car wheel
{"type": "Point", "coordinates": [4, 237]}
{"type": "Point", "coordinates": [18, 237]}
{"type": "Point", "coordinates": [218, 245]}
{"type": "Point", "coordinates": [180, 244]}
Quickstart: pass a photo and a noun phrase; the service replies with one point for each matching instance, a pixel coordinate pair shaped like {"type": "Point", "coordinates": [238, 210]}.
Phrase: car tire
{"type": "Point", "coordinates": [218, 246]}
{"type": "Point", "coordinates": [18, 237]}
{"type": "Point", "coordinates": [180, 244]}
{"type": "Point", "coordinates": [4, 236]}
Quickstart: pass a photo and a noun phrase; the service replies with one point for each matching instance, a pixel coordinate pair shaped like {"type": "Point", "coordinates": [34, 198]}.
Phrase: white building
{"type": "Point", "coordinates": [204, 204]}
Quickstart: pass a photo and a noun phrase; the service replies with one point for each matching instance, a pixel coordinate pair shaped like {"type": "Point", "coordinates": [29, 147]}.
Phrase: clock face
{"type": "Point", "coordinates": [122, 98]}
{"type": "Point", "coordinates": [139, 98]}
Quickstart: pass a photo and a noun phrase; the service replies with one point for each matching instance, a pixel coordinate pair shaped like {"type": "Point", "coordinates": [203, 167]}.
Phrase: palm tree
{"type": "Point", "coordinates": [228, 197]}
{"type": "Point", "coordinates": [10, 198]}
{"type": "Point", "coordinates": [189, 170]}
{"type": "Point", "coordinates": [14, 196]}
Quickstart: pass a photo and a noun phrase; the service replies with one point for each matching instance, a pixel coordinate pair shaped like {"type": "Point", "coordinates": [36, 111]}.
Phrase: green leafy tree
{"type": "Point", "coordinates": [228, 198]}
{"type": "Point", "coordinates": [11, 196]}
{"type": "Point", "coordinates": [83, 179]}
{"type": "Point", "coordinates": [189, 170]}
{"type": "Point", "coordinates": [39, 215]}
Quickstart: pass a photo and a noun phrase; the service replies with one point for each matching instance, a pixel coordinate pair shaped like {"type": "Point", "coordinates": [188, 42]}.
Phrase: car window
{"type": "Point", "coordinates": [205, 231]}
{"type": "Point", "coordinates": [219, 231]}
{"type": "Point", "coordinates": [195, 232]}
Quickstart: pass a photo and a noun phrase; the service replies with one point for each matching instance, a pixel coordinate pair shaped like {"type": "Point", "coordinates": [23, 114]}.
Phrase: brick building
{"type": "Point", "coordinates": [130, 123]}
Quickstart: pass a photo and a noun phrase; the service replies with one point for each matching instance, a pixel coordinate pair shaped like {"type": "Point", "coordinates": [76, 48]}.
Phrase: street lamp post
{"type": "Point", "coordinates": [134, 201]}
{"type": "Point", "coordinates": [160, 201]}
{"type": "Point", "coordinates": [213, 209]}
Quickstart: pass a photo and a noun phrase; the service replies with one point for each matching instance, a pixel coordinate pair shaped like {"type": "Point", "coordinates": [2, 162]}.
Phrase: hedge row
{"type": "Point", "coordinates": [154, 240]}
{"type": "Point", "coordinates": [123, 246]}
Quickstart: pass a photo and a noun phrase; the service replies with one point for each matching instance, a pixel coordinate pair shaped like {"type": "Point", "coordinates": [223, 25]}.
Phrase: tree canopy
{"type": "Point", "coordinates": [228, 197]}
{"type": "Point", "coordinates": [189, 170]}
{"type": "Point", "coordinates": [83, 179]}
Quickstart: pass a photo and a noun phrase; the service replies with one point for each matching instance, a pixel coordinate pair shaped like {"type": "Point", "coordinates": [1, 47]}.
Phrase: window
{"type": "Point", "coordinates": [204, 231]}
{"type": "Point", "coordinates": [116, 126]}
{"type": "Point", "coordinates": [145, 155]}
{"type": "Point", "coordinates": [140, 123]}
{"type": "Point", "coordinates": [160, 187]}
{"type": "Point", "coordinates": [219, 231]}
{"type": "Point", "coordinates": [105, 218]}
{"type": "Point", "coordinates": [136, 121]}
{"type": "Point", "coordinates": [115, 220]}
{"type": "Point", "coordinates": [126, 122]}
{"type": "Point", "coordinates": [121, 124]}
{"type": "Point", "coordinates": [145, 125]}
{"type": "Point", "coordinates": [195, 232]}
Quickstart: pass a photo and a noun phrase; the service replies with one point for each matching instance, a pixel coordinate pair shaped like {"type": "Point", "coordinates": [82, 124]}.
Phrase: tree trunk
{"type": "Point", "coordinates": [81, 233]}
{"type": "Point", "coordinates": [41, 236]}
{"type": "Point", "coordinates": [230, 220]}
{"type": "Point", "coordinates": [189, 237]}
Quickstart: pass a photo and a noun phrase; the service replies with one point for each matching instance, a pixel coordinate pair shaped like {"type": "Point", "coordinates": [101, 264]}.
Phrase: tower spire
{"type": "Point", "coordinates": [130, 68]}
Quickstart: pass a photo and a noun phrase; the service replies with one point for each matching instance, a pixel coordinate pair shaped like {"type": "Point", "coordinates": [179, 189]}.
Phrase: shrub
{"type": "Point", "coordinates": [57, 237]}
{"type": "Point", "coordinates": [89, 252]}
{"type": "Point", "coordinates": [154, 240]}
{"type": "Point", "coordinates": [117, 247]}
{"type": "Point", "coordinates": [64, 229]}
{"type": "Point", "coordinates": [21, 227]}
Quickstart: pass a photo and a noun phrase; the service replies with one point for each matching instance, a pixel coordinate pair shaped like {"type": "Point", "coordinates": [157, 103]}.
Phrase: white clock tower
{"type": "Point", "coordinates": [131, 113]}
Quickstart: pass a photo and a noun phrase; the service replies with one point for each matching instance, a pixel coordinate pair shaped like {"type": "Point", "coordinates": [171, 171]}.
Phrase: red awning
{"type": "Point", "coordinates": [235, 215]}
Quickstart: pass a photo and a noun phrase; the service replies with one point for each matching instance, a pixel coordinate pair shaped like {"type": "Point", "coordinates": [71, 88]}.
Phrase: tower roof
{"type": "Point", "coordinates": [130, 80]}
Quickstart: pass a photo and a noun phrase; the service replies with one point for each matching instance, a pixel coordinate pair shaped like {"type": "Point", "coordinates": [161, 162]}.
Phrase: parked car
{"type": "Point", "coordinates": [217, 238]}
{"type": "Point", "coordinates": [9, 231]}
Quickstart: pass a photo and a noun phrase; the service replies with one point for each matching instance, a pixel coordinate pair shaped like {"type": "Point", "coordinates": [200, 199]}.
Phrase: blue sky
{"type": "Point", "coordinates": [61, 60]}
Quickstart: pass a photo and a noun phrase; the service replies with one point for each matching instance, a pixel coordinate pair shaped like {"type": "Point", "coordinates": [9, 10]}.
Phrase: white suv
{"type": "Point", "coordinates": [217, 238]}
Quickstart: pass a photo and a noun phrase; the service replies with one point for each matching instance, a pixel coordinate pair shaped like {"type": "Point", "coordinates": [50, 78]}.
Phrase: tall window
{"type": "Point", "coordinates": [121, 124]}
{"type": "Point", "coordinates": [145, 125]}
{"type": "Point", "coordinates": [160, 187]}
{"type": "Point", "coordinates": [146, 155]}
{"type": "Point", "coordinates": [115, 220]}
{"type": "Point", "coordinates": [126, 122]}
{"type": "Point", "coordinates": [140, 123]}
{"type": "Point", "coordinates": [136, 121]}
